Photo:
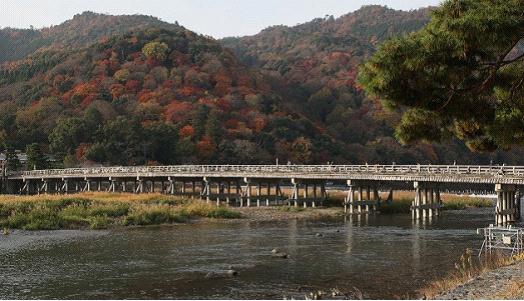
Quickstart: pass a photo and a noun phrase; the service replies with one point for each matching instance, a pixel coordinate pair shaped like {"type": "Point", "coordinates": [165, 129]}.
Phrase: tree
{"type": "Point", "coordinates": [462, 75]}
{"type": "Point", "coordinates": [35, 157]}
{"type": "Point", "coordinates": [67, 135]}
{"type": "Point", "coordinates": [11, 158]}
{"type": "Point", "coordinates": [214, 127]}
{"type": "Point", "coordinates": [301, 150]}
{"type": "Point", "coordinates": [156, 50]}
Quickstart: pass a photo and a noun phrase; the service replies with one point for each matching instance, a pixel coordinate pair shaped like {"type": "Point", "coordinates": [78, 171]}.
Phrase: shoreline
{"type": "Point", "coordinates": [98, 210]}
{"type": "Point", "coordinates": [506, 282]}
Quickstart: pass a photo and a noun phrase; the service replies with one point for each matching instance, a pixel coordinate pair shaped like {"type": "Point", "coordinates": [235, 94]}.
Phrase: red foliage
{"type": "Point", "coordinates": [259, 124]}
{"type": "Point", "coordinates": [186, 132]}
{"type": "Point", "coordinates": [188, 91]}
{"type": "Point", "coordinates": [87, 101]}
{"type": "Point", "coordinates": [205, 148]}
{"type": "Point", "coordinates": [223, 83]}
{"type": "Point", "coordinates": [168, 84]}
{"type": "Point", "coordinates": [152, 62]}
{"type": "Point", "coordinates": [81, 151]}
{"type": "Point", "coordinates": [132, 86]}
{"type": "Point", "coordinates": [117, 90]}
{"type": "Point", "coordinates": [231, 124]}
{"type": "Point", "coordinates": [177, 111]}
{"type": "Point", "coordinates": [145, 96]}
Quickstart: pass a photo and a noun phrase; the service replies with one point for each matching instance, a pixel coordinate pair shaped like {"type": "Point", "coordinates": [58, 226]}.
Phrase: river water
{"type": "Point", "coordinates": [382, 256]}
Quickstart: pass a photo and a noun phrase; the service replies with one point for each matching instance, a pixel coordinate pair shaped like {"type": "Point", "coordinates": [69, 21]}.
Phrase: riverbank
{"type": "Point", "coordinates": [98, 210]}
{"type": "Point", "coordinates": [500, 278]}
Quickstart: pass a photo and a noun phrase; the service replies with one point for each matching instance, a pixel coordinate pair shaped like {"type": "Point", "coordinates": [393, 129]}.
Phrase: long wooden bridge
{"type": "Point", "coordinates": [247, 185]}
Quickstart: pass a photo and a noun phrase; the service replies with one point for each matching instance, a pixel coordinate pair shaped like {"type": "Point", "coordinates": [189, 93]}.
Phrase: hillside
{"type": "Point", "coordinates": [152, 96]}
{"type": "Point", "coordinates": [136, 90]}
{"type": "Point", "coordinates": [81, 31]}
{"type": "Point", "coordinates": [314, 66]}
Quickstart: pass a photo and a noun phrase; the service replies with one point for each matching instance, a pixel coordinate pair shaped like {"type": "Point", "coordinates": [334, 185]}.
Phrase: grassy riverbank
{"type": "Point", "coordinates": [102, 210]}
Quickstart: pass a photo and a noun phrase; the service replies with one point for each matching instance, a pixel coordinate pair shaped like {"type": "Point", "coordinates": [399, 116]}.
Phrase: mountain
{"type": "Point", "coordinates": [81, 31]}
{"type": "Point", "coordinates": [137, 90]}
{"type": "Point", "coordinates": [154, 95]}
{"type": "Point", "coordinates": [314, 66]}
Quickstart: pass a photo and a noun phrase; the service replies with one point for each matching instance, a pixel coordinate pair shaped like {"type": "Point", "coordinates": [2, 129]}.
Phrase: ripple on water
{"type": "Point", "coordinates": [391, 253]}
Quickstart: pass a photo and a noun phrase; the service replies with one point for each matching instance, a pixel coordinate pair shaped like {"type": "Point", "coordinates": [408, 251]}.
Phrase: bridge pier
{"type": "Point", "coordinates": [364, 204]}
{"type": "Point", "coordinates": [427, 202]}
{"type": "Point", "coordinates": [508, 204]}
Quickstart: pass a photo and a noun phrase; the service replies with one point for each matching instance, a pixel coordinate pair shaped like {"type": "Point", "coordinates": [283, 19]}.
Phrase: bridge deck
{"type": "Point", "coordinates": [406, 173]}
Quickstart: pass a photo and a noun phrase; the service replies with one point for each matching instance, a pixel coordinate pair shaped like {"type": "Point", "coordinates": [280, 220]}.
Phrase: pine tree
{"type": "Point", "coordinates": [459, 76]}
{"type": "Point", "coordinates": [12, 162]}
{"type": "Point", "coordinates": [35, 157]}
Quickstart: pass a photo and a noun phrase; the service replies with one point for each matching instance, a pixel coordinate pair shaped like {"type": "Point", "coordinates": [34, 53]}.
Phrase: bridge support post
{"type": "Point", "coordinates": [427, 201]}
{"type": "Point", "coordinates": [259, 193]}
{"type": "Point", "coordinates": [206, 191]}
{"type": "Point", "coordinates": [349, 201]}
{"type": "Point", "coordinates": [65, 187]}
{"type": "Point", "coordinates": [505, 211]}
{"type": "Point", "coordinates": [87, 187]}
{"type": "Point", "coordinates": [367, 197]}
{"type": "Point", "coordinates": [295, 192]}
{"type": "Point", "coordinates": [140, 186]}
{"type": "Point", "coordinates": [248, 192]}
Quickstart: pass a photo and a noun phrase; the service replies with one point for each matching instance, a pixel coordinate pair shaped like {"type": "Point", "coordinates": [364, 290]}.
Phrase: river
{"type": "Point", "coordinates": [381, 256]}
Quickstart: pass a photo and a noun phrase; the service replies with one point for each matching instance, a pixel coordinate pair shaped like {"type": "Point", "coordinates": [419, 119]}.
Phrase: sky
{"type": "Point", "coordinates": [216, 18]}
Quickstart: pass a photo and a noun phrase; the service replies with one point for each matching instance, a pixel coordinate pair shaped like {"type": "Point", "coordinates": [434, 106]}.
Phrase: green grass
{"type": "Point", "coordinates": [99, 211]}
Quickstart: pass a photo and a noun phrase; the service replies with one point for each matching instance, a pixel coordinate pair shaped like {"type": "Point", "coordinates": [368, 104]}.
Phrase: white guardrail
{"type": "Point", "coordinates": [479, 170]}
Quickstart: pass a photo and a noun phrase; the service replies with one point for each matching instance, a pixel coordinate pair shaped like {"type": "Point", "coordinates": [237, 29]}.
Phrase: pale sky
{"type": "Point", "coordinates": [217, 18]}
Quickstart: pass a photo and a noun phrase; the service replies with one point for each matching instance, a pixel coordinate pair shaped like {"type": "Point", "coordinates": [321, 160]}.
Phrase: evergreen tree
{"type": "Point", "coordinates": [461, 75]}
{"type": "Point", "coordinates": [214, 127]}
{"type": "Point", "coordinates": [35, 157]}
{"type": "Point", "coordinates": [12, 162]}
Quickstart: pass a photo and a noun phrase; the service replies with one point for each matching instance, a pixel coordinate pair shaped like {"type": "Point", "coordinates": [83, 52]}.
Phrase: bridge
{"type": "Point", "coordinates": [298, 185]}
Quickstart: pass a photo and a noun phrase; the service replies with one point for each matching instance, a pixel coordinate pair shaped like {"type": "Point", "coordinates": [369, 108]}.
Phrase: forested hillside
{"type": "Point", "coordinates": [152, 96]}
{"type": "Point", "coordinates": [314, 66]}
{"type": "Point", "coordinates": [81, 31]}
{"type": "Point", "coordinates": [135, 90]}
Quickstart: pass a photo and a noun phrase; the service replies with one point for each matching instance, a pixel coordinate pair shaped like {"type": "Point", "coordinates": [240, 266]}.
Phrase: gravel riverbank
{"type": "Point", "coordinates": [502, 283]}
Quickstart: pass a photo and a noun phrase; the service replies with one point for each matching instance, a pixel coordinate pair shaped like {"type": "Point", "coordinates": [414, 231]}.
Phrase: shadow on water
{"type": "Point", "coordinates": [382, 256]}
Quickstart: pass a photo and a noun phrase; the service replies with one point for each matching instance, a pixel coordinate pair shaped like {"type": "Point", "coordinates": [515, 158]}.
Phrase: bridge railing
{"type": "Point", "coordinates": [279, 169]}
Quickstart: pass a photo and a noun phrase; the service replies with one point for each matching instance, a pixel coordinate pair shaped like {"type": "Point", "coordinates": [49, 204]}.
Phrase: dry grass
{"type": "Point", "coordinates": [467, 269]}
{"type": "Point", "coordinates": [514, 290]}
{"type": "Point", "coordinates": [94, 196]}
{"type": "Point", "coordinates": [402, 201]}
